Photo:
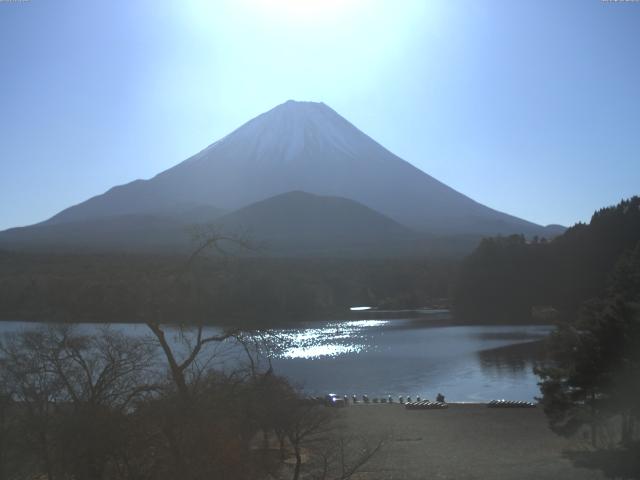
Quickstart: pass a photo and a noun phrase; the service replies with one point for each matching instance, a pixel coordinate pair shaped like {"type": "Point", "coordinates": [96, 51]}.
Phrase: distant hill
{"type": "Point", "coordinates": [552, 231]}
{"type": "Point", "coordinates": [302, 223]}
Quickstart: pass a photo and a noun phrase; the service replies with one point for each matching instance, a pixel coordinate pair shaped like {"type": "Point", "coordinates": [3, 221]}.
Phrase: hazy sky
{"type": "Point", "coordinates": [530, 107]}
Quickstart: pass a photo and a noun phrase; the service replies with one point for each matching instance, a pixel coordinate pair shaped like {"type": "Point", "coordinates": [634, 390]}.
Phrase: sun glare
{"type": "Point", "coordinates": [303, 10]}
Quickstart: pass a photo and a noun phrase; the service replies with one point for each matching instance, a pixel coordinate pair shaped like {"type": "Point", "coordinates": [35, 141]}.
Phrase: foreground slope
{"type": "Point", "coordinates": [466, 441]}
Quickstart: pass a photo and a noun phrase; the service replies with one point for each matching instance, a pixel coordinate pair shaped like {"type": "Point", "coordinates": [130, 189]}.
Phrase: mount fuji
{"type": "Point", "coordinates": [294, 147]}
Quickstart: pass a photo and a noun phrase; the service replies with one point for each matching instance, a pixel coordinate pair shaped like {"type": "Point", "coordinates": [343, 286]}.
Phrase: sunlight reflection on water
{"type": "Point", "coordinates": [317, 351]}
{"type": "Point", "coordinates": [333, 339]}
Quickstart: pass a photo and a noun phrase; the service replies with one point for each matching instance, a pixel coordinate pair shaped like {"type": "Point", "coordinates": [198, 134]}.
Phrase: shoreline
{"type": "Point", "coordinates": [421, 320]}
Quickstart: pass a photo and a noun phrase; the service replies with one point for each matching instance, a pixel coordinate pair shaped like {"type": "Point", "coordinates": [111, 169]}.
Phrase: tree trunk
{"type": "Point", "coordinates": [296, 472]}
{"type": "Point", "coordinates": [179, 463]}
{"type": "Point", "coordinates": [627, 428]}
{"type": "Point", "coordinates": [281, 441]}
{"type": "Point", "coordinates": [3, 422]}
{"type": "Point", "coordinates": [176, 372]}
{"type": "Point", "coordinates": [46, 461]}
{"type": "Point", "coordinates": [594, 426]}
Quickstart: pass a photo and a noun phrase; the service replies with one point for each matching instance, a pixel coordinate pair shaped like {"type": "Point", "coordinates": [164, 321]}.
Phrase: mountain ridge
{"type": "Point", "coordinates": [307, 147]}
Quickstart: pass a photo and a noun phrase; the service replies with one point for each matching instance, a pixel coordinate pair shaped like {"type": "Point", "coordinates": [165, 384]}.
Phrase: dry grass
{"type": "Point", "coordinates": [463, 442]}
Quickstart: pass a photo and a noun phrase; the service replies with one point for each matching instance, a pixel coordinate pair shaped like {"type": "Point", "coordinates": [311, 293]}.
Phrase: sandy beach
{"type": "Point", "coordinates": [463, 442]}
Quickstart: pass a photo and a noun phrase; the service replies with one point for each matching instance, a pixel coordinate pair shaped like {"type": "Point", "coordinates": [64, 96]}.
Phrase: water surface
{"type": "Point", "coordinates": [399, 357]}
{"type": "Point", "coordinates": [407, 357]}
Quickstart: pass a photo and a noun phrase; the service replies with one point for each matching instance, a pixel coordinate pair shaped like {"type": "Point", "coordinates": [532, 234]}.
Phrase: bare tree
{"type": "Point", "coordinates": [36, 390]}
{"type": "Point", "coordinates": [178, 367]}
{"type": "Point", "coordinates": [205, 238]}
{"type": "Point", "coordinates": [306, 422]}
{"type": "Point", "coordinates": [72, 394]}
{"type": "Point", "coordinates": [6, 406]}
{"type": "Point", "coordinates": [314, 431]}
{"type": "Point", "coordinates": [213, 238]}
{"type": "Point", "coordinates": [344, 456]}
{"type": "Point", "coordinates": [109, 369]}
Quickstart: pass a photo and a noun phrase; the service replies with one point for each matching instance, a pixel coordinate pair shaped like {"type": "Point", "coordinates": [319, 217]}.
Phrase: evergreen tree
{"type": "Point", "coordinates": [594, 374]}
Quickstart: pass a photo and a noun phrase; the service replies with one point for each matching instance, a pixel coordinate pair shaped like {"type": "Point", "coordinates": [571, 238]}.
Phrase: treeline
{"type": "Point", "coordinates": [587, 282]}
{"type": "Point", "coordinates": [112, 407]}
{"type": "Point", "coordinates": [515, 280]}
{"type": "Point", "coordinates": [593, 375]}
{"type": "Point", "coordinates": [213, 289]}
{"type": "Point", "coordinates": [590, 382]}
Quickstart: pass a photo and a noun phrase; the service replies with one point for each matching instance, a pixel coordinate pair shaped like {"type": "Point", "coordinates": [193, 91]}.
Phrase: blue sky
{"type": "Point", "coordinates": [530, 107]}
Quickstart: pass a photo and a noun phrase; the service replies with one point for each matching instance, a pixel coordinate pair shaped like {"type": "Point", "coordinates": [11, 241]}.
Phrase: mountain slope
{"type": "Point", "coordinates": [167, 230]}
{"type": "Point", "coordinates": [308, 147]}
{"type": "Point", "coordinates": [129, 232]}
{"type": "Point", "coordinates": [293, 223]}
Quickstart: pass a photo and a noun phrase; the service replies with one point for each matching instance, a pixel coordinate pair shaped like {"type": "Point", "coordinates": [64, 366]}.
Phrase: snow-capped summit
{"type": "Point", "coordinates": [284, 132]}
{"type": "Point", "coordinates": [303, 146]}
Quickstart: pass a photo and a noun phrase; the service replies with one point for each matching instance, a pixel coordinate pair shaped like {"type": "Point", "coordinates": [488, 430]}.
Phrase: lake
{"type": "Point", "coordinates": [399, 357]}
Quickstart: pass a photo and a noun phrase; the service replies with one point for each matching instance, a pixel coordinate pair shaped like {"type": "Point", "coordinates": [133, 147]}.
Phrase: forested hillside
{"type": "Point", "coordinates": [134, 288]}
{"type": "Point", "coordinates": [507, 278]}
